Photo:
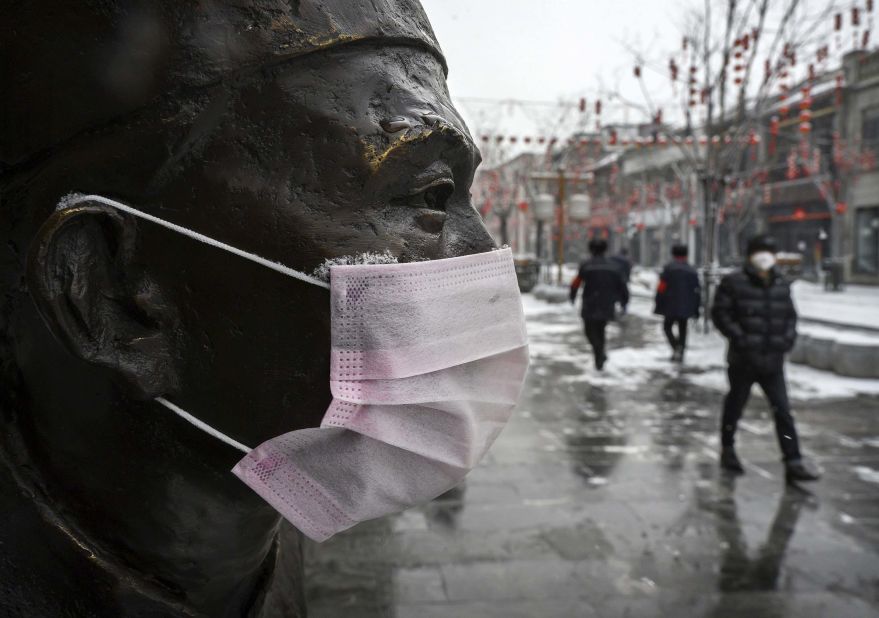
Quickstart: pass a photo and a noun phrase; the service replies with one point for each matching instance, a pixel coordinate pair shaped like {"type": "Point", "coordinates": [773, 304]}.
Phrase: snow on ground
{"type": "Point", "coordinates": [555, 332]}
{"type": "Point", "coordinates": [856, 305]}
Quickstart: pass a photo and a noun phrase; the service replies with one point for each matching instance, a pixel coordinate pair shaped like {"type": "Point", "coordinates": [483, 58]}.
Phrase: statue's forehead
{"type": "Point", "coordinates": [74, 66]}
{"type": "Point", "coordinates": [227, 35]}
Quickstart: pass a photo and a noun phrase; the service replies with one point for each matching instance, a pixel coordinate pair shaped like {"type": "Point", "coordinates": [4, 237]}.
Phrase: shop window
{"type": "Point", "coordinates": [870, 127]}
{"type": "Point", "coordinates": [867, 241]}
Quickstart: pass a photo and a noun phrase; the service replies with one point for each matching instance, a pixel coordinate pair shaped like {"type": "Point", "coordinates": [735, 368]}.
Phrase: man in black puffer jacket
{"type": "Point", "coordinates": [754, 310]}
{"type": "Point", "coordinates": [603, 287]}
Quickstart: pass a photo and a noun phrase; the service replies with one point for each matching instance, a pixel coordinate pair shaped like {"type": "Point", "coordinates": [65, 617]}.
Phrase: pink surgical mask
{"type": "Point", "coordinates": [427, 363]}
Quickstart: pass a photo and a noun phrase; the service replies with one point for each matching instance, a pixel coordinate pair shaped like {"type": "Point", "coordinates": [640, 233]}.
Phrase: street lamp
{"type": "Point", "coordinates": [580, 207]}
{"type": "Point", "coordinates": [544, 207]}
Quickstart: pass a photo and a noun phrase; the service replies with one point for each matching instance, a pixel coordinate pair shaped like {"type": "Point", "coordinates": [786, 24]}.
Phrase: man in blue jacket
{"type": "Point", "coordinates": [678, 297]}
{"type": "Point", "coordinates": [603, 287]}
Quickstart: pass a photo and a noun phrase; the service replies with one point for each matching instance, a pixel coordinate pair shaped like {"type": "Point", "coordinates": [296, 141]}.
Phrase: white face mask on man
{"type": "Point", "coordinates": [763, 260]}
{"type": "Point", "coordinates": [428, 361]}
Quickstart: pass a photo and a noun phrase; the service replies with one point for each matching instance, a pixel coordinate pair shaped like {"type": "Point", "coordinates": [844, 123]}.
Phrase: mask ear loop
{"type": "Point", "coordinates": [202, 425]}
{"type": "Point", "coordinates": [77, 198]}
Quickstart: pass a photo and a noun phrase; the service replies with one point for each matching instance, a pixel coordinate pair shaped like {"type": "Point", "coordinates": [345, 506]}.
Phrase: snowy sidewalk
{"type": "Point", "coordinates": [705, 365]}
{"type": "Point", "coordinates": [839, 331]}
{"type": "Point", "coordinates": [856, 307]}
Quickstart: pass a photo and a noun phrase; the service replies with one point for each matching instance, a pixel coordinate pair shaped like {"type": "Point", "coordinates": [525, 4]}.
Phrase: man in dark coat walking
{"type": "Point", "coordinates": [754, 311]}
{"type": "Point", "coordinates": [603, 287]}
{"type": "Point", "coordinates": [678, 297]}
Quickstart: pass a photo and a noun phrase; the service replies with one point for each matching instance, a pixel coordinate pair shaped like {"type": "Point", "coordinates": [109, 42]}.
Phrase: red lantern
{"type": "Point", "coordinates": [693, 222]}
{"type": "Point", "coordinates": [841, 208]}
{"type": "Point", "coordinates": [805, 127]}
{"type": "Point", "coordinates": [799, 214]}
{"type": "Point", "coordinates": [773, 134]}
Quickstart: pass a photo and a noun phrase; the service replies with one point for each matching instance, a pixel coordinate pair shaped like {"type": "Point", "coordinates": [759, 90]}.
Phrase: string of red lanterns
{"type": "Point", "coordinates": [612, 139]}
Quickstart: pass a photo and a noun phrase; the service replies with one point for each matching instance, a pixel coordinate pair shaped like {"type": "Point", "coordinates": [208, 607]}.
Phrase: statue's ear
{"type": "Point", "coordinates": [97, 303]}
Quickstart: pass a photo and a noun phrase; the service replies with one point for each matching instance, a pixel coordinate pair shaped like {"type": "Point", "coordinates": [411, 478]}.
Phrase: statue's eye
{"type": "Point", "coordinates": [437, 194]}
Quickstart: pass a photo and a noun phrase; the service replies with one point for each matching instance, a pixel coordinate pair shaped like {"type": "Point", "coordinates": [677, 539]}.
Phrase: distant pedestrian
{"type": "Point", "coordinates": [603, 287]}
{"type": "Point", "coordinates": [622, 260]}
{"type": "Point", "coordinates": [754, 310]}
{"type": "Point", "coordinates": [678, 297]}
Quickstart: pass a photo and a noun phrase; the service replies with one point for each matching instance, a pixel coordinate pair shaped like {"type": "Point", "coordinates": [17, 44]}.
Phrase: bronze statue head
{"type": "Point", "coordinates": [297, 130]}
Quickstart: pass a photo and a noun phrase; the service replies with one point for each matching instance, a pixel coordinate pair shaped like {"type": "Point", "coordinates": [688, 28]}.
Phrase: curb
{"type": "Point", "coordinates": [845, 358]}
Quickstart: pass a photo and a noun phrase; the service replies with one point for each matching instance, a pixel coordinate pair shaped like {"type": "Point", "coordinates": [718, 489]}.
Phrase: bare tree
{"type": "Point", "coordinates": [723, 100]}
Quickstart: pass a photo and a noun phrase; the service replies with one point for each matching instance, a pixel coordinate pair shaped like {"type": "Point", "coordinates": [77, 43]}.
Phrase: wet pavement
{"type": "Point", "coordinates": [603, 498]}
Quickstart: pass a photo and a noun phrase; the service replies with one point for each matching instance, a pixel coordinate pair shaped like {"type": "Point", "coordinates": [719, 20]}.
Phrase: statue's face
{"type": "Point", "coordinates": [342, 153]}
{"type": "Point", "coordinates": [346, 152]}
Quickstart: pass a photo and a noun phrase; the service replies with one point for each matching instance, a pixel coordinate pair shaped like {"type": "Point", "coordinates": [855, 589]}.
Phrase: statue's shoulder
{"type": "Point", "coordinates": [43, 572]}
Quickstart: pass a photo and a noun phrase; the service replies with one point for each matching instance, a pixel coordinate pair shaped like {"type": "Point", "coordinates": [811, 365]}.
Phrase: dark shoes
{"type": "Point", "coordinates": [599, 361]}
{"type": "Point", "coordinates": [796, 471]}
{"type": "Point", "coordinates": [729, 461]}
{"type": "Point", "coordinates": [678, 355]}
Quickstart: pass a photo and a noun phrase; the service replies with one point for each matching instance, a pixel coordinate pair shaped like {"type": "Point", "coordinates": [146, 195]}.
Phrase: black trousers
{"type": "Point", "coordinates": [681, 339]}
{"type": "Point", "coordinates": [741, 378]}
{"type": "Point", "coordinates": [595, 335]}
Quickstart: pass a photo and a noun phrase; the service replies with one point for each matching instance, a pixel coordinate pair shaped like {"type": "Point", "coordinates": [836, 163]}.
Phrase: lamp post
{"type": "Point", "coordinates": [544, 209]}
{"type": "Point", "coordinates": [544, 205]}
{"type": "Point", "coordinates": [561, 251]}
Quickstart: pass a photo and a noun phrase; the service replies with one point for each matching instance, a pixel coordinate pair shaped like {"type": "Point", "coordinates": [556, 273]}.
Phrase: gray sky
{"type": "Point", "coordinates": [538, 51]}
{"type": "Point", "coordinates": [559, 49]}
